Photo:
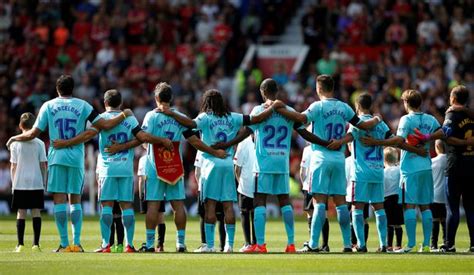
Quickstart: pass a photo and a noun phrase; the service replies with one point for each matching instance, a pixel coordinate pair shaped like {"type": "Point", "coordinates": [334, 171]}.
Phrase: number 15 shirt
{"type": "Point", "coordinates": [65, 118]}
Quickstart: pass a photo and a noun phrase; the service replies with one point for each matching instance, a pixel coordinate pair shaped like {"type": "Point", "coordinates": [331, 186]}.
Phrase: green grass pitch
{"type": "Point", "coordinates": [51, 263]}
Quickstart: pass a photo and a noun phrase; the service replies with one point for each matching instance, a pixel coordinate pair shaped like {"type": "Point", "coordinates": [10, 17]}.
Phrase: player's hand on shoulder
{"type": "Point", "coordinates": [9, 142]}
{"type": "Point", "coordinates": [277, 104]}
{"type": "Point", "coordinates": [334, 144]}
{"type": "Point", "coordinates": [220, 154]}
{"type": "Point", "coordinates": [164, 109]}
{"type": "Point", "coordinates": [128, 112]}
{"type": "Point", "coordinates": [60, 143]}
{"type": "Point", "coordinates": [113, 148]}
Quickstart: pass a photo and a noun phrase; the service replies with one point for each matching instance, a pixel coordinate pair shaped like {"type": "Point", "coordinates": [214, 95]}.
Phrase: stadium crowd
{"type": "Point", "coordinates": [196, 45]}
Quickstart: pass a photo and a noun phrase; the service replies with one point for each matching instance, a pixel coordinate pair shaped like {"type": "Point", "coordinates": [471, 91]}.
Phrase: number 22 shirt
{"type": "Point", "coordinates": [272, 143]}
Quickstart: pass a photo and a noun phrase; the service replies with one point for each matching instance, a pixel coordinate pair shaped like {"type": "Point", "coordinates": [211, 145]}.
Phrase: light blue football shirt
{"type": "Point", "coordinates": [272, 142]}
{"type": "Point", "coordinates": [163, 126]}
{"type": "Point", "coordinates": [121, 163]}
{"type": "Point", "coordinates": [328, 120]}
{"type": "Point", "coordinates": [410, 162]}
{"type": "Point", "coordinates": [216, 129]}
{"type": "Point", "coordinates": [368, 160]}
{"type": "Point", "coordinates": [65, 118]}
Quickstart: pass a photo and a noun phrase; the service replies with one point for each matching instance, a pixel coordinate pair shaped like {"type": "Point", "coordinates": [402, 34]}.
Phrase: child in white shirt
{"type": "Point", "coordinates": [29, 172]}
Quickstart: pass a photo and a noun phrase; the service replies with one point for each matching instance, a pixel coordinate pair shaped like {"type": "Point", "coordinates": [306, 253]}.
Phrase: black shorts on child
{"type": "Point", "coordinates": [28, 199]}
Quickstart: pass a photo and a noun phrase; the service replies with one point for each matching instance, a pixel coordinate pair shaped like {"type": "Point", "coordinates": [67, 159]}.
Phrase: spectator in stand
{"type": "Point", "coordinates": [326, 65]}
{"type": "Point", "coordinates": [105, 55]}
{"type": "Point", "coordinates": [460, 30]}
{"type": "Point", "coordinates": [396, 32]}
{"type": "Point", "coordinates": [61, 35]}
{"type": "Point", "coordinates": [427, 30]}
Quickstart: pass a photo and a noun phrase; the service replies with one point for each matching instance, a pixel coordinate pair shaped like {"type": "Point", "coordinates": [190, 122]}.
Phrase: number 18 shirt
{"type": "Point", "coordinates": [329, 118]}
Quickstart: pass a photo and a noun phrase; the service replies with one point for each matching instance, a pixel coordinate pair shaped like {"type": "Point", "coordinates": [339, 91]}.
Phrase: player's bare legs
{"type": "Point", "coordinates": [229, 218]}
{"type": "Point", "coordinates": [180, 222]}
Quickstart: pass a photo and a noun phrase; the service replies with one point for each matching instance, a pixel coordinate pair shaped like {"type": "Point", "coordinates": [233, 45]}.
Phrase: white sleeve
{"type": "Point", "coordinates": [241, 155]}
{"type": "Point", "coordinates": [141, 167]}
{"type": "Point", "coordinates": [197, 160]}
{"type": "Point", "coordinates": [42, 153]}
{"type": "Point", "coordinates": [306, 158]}
{"type": "Point", "coordinates": [13, 152]}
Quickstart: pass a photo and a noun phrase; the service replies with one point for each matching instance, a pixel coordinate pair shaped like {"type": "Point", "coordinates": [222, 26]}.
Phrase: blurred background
{"type": "Point", "coordinates": [378, 46]}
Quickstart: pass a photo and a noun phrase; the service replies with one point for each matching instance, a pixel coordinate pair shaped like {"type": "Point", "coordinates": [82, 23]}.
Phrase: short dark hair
{"type": "Point", "coordinates": [113, 98]}
{"type": "Point", "coordinates": [27, 120]}
{"type": "Point", "coordinates": [413, 98]}
{"type": "Point", "coordinates": [461, 94]}
{"type": "Point", "coordinates": [164, 92]}
{"type": "Point", "coordinates": [65, 85]}
{"type": "Point", "coordinates": [365, 101]}
{"type": "Point", "coordinates": [326, 83]}
{"type": "Point", "coordinates": [269, 87]}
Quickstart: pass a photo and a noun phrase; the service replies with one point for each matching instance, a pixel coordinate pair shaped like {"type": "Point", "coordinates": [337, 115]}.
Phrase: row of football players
{"type": "Point", "coordinates": [271, 124]}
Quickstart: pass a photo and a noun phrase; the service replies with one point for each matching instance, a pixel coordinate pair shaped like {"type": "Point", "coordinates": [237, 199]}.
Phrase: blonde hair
{"type": "Point", "coordinates": [391, 156]}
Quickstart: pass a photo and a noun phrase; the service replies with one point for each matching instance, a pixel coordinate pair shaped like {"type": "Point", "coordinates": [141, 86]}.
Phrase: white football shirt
{"type": "Point", "coordinates": [305, 162]}
{"type": "Point", "coordinates": [27, 156]}
{"type": "Point", "coordinates": [438, 165]}
{"type": "Point", "coordinates": [197, 164]}
{"type": "Point", "coordinates": [391, 180]}
{"type": "Point", "coordinates": [245, 158]}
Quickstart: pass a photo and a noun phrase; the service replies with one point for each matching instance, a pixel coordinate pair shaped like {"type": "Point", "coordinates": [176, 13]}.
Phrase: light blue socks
{"type": "Point", "coordinates": [106, 219]}
{"type": "Point", "coordinates": [128, 220]}
{"type": "Point", "coordinates": [60, 216]}
{"type": "Point", "coordinates": [76, 220]}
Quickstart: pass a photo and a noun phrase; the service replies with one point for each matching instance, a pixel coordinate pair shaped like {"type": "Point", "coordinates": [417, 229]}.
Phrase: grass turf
{"type": "Point", "coordinates": [52, 263]}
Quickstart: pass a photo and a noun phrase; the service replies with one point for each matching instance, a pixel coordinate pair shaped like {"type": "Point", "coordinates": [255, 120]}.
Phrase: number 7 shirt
{"type": "Point", "coordinates": [272, 142]}
{"type": "Point", "coordinates": [328, 119]}
{"type": "Point", "coordinates": [65, 118]}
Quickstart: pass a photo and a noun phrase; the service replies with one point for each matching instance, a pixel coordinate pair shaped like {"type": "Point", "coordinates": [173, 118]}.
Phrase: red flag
{"type": "Point", "coordinates": [168, 163]}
